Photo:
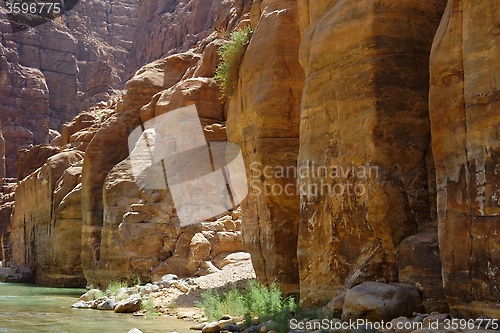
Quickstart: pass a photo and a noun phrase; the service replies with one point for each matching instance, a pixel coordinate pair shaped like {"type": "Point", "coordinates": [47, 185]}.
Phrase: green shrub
{"type": "Point", "coordinates": [231, 54]}
{"type": "Point", "coordinates": [113, 287]}
{"type": "Point", "coordinates": [257, 300]}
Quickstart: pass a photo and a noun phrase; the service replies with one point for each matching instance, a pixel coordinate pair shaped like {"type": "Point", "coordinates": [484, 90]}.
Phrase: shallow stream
{"type": "Point", "coordinates": [31, 308]}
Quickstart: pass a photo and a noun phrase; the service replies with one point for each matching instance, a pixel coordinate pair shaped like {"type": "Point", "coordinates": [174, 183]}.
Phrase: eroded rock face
{"type": "Point", "coordinates": [7, 196]}
{"type": "Point", "coordinates": [127, 231]}
{"type": "Point", "coordinates": [50, 73]}
{"type": "Point", "coordinates": [364, 120]}
{"type": "Point", "coordinates": [264, 121]}
{"type": "Point", "coordinates": [30, 159]}
{"type": "Point", "coordinates": [24, 109]}
{"type": "Point", "coordinates": [40, 240]}
{"type": "Point", "coordinates": [465, 108]}
{"type": "Point", "coordinates": [110, 146]}
{"type": "Point", "coordinates": [170, 27]}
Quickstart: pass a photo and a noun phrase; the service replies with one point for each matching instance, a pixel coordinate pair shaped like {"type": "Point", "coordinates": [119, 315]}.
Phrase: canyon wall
{"type": "Point", "coordinates": [170, 27]}
{"type": "Point", "coordinates": [118, 230]}
{"type": "Point", "coordinates": [465, 113]}
{"type": "Point", "coordinates": [355, 174]}
{"type": "Point", "coordinates": [365, 122]}
{"type": "Point", "coordinates": [264, 121]}
{"type": "Point", "coordinates": [55, 70]}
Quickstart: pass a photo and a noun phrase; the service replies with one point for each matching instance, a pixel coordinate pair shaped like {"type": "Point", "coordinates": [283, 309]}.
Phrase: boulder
{"type": "Point", "coordinates": [129, 305]}
{"type": "Point", "coordinates": [212, 327]}
{"type": "Point", "coordinates": [419, 263]}
{"type": "Point", "coordinates": [223, 259]}
{"type": "Point", "coordinates": [82, 305]}
{"type": "Point", "coordinates": [381, 301]}
{"type": "Point", "coordinates": [108, 304]}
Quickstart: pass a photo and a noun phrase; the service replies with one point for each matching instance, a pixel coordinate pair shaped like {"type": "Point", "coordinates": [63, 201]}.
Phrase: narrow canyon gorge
{"type": "Point", "coordinates": [369, 129]}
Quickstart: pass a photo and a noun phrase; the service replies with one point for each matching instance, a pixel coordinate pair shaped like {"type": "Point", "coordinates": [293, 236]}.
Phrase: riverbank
{"type": "Point", "coordinates": [171, 296]}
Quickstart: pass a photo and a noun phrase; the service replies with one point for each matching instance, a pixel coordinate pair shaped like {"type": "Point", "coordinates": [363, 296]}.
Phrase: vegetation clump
{"type": "Point", "coordinates": [256, 301]}
{"type": "Point", "coordinates": [231, 54]}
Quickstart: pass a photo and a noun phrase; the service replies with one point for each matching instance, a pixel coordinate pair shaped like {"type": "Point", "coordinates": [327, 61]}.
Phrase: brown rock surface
{"type": "Point", "coordinates": [381, 301]}
{"type": "Point", "coordinates": [364, 119]}
{"type": "Point", "coordinates": [50, 73]}
{"type": "Point", "coordinates": [30, 159]}
{"type": "Point", "coordinates": [110, 146]}
{"type": "Point", "coordinates": [7, 196]}
{"type": "Point", "coordinates": [419, 263]}
{"type": "Point", "coordinates": [465, 108]}
{"type": "Point", "coordinates": [264, 121]}
{"type": "Point", "coordinates": [50, 247]}
{"type": "Point", "coordinates": [170, 27]}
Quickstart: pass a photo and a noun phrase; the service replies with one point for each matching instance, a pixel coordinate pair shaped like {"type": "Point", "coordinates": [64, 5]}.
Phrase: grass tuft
{"type": "Point", "coordinates": [265, 303]}
{"type": "Point", "coordinates": [113, 287]}
{"type": "Point", "coordinates": [231, 54]}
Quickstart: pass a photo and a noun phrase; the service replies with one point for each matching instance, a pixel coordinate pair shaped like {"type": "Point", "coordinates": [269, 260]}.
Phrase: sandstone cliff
{"type": "Point", "coordinates": [360, 183]}
{"type": "Point", "coordinates": [52, 72]}
{"type": "Point", "coordinates": [464, 108]}
{"type": "Point", "coordinates": [264, 121]}
{"type": "Point", "coordinates": [110, 227]}
{"type": "Point", "coordinates": [364, 114]}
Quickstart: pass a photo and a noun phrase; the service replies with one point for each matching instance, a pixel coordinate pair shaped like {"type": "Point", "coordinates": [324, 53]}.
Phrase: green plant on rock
{"type": "Point", "coordinates": [231, 54]}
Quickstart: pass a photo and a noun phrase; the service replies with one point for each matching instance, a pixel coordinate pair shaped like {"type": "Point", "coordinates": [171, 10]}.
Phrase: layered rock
{"type": "Point", "coordinates": [7, 197]}
{"type": "Point", "coordinates": [169, 27]}
{"type": "Point", "coordinates": [110, 146]}
{"type": "Point", "coordinates": [30, 159]}
{"type": "Point", "coordinates": [464, 108]}
{"type": "Point", "coordinates": [125, 231]}
{"type": "Point", "coordinates": [264, 120]}
{"type": "Point", "coordinates": [25, 106]}
{"type": "Point", "coordinates": [51, 72]}
{"type": "Point", "coordinates": [40, 241]}
{"type": "Point", "coordinates": [364, 137]}
{"type": "Point", "coordinates": [135, 231]}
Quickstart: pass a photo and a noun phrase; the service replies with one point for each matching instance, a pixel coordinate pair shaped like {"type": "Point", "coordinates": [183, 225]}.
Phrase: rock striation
{"type": "Point", "coordinates": [464, 109]}
{"type": "Point", "coordinates": [366, 193]}
{"type": "Point", "coordinates": [364, 139]}
{"type": "Point", "coordinates": [50, 73]}
{"type": "Point", "coordinates": [170, 27]}
{"type": "Point", "coordinates": [110, 227]}
{"type": "Point", "coordinates": [264, 121]}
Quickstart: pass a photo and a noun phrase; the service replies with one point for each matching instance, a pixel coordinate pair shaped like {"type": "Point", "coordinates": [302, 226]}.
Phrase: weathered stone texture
{"type": "Point", "coordinates": [465, 109]}
{"type": "Point", "coordinates": [264, 121]}
{"type": "Point", "coordinates": [364, 118]}
{"type": "Point", "coordinates": [170, 27]}
{"type": "Point", "coordinates": [30, 159]}
{"type": "Point", "coordinates": [42, 242]}
{"type": "Point", "coordinates": [50, 73]}
{"type": "Point", "coordinates": [419, 263]}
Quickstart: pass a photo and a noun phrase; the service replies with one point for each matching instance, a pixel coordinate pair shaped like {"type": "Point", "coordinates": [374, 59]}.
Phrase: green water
{"type": "Point", "coordinates": [30, 308]}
